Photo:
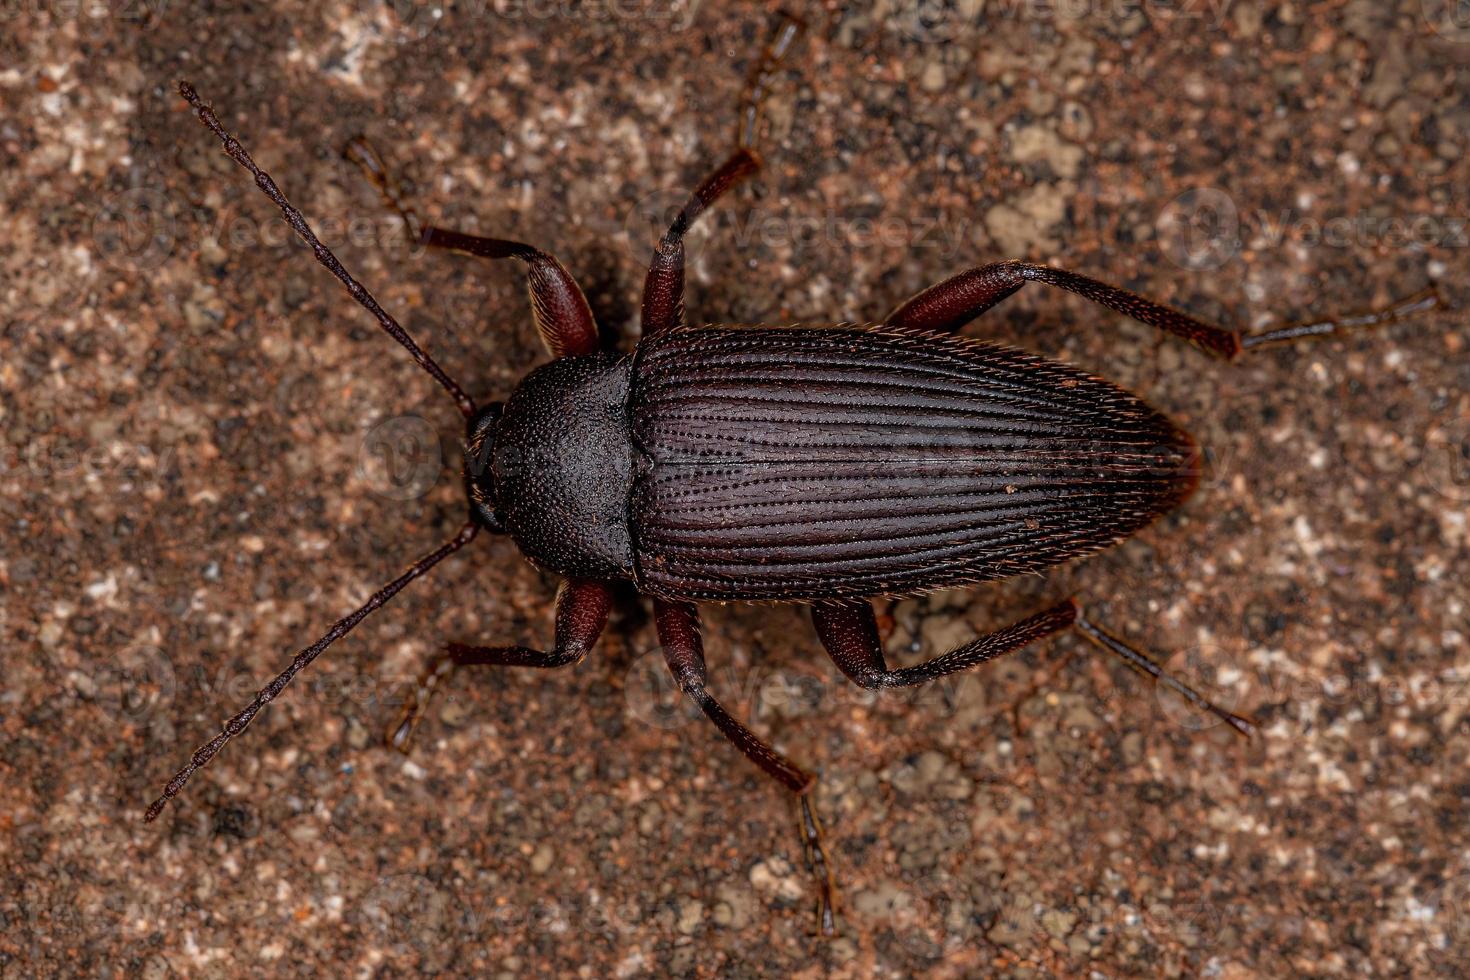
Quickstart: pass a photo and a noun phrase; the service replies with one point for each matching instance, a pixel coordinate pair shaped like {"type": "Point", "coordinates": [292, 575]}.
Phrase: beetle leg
{"type": "Point", "coordinates": [678, 632]}
{"type": "Point", "coordinates": [784, 32]}
{"type": "Point", "coordinates": [849, 633]}
{"type": "Point", "coordinates": [663, 287]}
{"type": "Point", "coordinates": [563, 316]}
{"type": "Point", "coordinates": [956, 301]}
{"type": "Point", "coordinates": [581, 613]}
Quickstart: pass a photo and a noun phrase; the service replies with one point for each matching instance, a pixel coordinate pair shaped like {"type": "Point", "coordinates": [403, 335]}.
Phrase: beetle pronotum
{"type": "Point", "coordinates": [823, 466]}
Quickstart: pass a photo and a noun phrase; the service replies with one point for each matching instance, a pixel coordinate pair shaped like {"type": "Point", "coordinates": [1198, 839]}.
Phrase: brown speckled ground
{"type": "Point", "coordinates": [192, 485]}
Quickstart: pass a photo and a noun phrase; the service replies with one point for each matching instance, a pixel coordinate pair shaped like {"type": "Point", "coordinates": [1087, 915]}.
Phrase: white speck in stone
{"type": "Point", "coordinates": [83, 258]}
{"type": "Point", "coordinates": [631, 965]}
{"type": "Point", "coordinates": [1417, 911]}
{"type": "Point", "coordinates": [1306, 537]}
{"type": "Point", "coordinates": [104, 589]}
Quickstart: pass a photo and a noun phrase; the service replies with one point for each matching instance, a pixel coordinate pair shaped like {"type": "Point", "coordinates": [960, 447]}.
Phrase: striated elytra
{"type": "Point", "coordinates": [752, 464]}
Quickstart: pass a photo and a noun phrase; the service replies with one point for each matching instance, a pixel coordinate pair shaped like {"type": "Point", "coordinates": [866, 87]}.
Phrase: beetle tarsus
{"type": "Point", "coordinates": [1148, 668]}
{"type": "Point", "coordinates": [784, 33]}
{"type": "Point", "coordinates": [416, 703]}
{"type": "Point", "coordinates": [817, 863]}
{"type": "Point", "coordinates": [361, 152]}
{"type": "Point", "coordinates": [1421, 302]}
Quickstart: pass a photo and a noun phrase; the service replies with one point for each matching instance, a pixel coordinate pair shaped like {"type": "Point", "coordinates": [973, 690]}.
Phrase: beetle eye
{"type": "Point", "coordinates": [479, 449]}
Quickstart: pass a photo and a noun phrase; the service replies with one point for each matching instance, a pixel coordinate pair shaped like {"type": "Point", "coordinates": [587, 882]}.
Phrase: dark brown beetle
{"type": "Point", "coordinates": [821, 466]}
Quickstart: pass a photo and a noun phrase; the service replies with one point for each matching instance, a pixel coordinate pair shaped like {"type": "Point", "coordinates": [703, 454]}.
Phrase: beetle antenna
{"type": "Point", "coordinates": [1143, 665]}
{"type": "Point", "coordinates": [267, 694]}
{"type": "Point", "coordinates": [323, 254]}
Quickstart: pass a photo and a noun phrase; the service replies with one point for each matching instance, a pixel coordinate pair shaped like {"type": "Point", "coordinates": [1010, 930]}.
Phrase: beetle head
{"type": "Point", "coordinates": [479, 450]}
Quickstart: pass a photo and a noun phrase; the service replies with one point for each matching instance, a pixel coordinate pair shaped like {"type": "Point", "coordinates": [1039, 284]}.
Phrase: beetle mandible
{"type": "Point", "coordinates": [824, 466]}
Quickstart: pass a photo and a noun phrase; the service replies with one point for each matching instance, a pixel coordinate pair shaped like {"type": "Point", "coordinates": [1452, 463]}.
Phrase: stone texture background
{"type": "Point", "coordinates": [209, 454]}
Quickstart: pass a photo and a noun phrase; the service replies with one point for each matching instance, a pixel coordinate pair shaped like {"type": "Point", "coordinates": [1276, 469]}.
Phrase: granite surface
{"type": "Point", "coordinates": [208, 453]}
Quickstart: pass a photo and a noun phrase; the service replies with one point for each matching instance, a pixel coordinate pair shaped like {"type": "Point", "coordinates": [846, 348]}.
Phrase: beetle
{"type": "Point", "coordinates": [816, 465]}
